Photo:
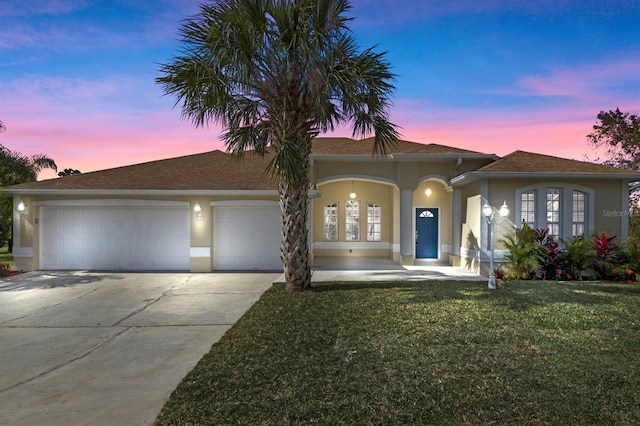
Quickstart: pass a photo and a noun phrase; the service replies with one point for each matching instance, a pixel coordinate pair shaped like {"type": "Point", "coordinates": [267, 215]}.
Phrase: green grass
{"type": "Point", "coordinates": [424, 353]}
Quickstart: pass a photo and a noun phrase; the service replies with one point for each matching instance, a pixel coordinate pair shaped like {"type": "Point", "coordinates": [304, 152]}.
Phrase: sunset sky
{"type": "Point", "coordinates": [77, 76]}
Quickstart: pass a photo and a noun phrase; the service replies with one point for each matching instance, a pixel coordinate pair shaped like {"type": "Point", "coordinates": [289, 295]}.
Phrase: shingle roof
{"type": "Point", "coordinates": [217, 171]}
{"type": "Point", "coordinates": [214, 170]}
{"type": "Point", "coordinates": [529, 162]}
{"type": "Point", "coordinates": [347, 146]}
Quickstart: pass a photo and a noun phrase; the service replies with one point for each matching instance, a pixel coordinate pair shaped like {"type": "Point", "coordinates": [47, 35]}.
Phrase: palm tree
{"type": "Point", "coordinates": [275, 74]}
{"type": "Point", "coordinates": [18, 168]}
{"type": "Point", "coordinates": [2, 127]}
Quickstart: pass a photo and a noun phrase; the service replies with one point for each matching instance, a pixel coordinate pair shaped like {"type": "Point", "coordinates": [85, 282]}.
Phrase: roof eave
{"type": "Point", "coordinates": [469, 177]}
{"type": "Point", "coordinates": [401, 157]}
{"type": "Point", "coordinates": [142, 192]}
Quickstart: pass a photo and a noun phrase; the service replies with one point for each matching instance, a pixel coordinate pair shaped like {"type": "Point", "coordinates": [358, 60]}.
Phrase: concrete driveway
{"type": "Point", "coordinates": [109, 348]}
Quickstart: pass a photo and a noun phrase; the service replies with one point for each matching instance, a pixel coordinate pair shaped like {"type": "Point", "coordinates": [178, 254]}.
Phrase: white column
{"type": "Point", "coordinates": [407, 239]}
{"type": "Point", "coordinates": [456, 222]}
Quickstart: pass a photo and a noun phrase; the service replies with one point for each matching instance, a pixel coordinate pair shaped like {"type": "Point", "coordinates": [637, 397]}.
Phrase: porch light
{"type": "Point", "coordinates": [22, 208]}
{"type": "Point", "coordinates": [428, 192]}
{"type": "Point", "coordinates": [314, 193]}
{"type": "Point", "coordinates": [198, 210]}
{"type": "Point", "coordinates": [487, 211]}
{"type": "Point", "coordinates": [352, 195]}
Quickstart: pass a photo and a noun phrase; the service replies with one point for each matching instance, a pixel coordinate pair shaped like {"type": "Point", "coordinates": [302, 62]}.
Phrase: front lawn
{"type": "Point", "coordinates": [424, 353]}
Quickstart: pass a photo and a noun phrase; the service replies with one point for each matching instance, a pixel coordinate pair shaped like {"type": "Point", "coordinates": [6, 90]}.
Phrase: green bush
{"type": "Point", "coordinates": [578, 257]}
{"type": "Point", "coordinates": [525, 253]}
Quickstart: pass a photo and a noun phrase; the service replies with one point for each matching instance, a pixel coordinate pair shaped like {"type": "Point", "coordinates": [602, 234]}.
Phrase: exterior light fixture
{"type": "Point", "coordinates": [22, 208]}
{"type": "Point", "coordinates": [352, 195]}
{"type": "Point", "coordinates": [487, 211]}
{"type": "Point", "coordinates": [198, 210]}
{"type": "Point", "coordinates": [428, 192]}
{"type": "Point", "coordinates": [314, 193]}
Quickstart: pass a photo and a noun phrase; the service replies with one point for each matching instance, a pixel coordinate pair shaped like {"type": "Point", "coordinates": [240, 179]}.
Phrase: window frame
{"type": "Point", "coordinates": [352, 222]}
{"type": "Point", "coordinates": [565, 205]}
{"type": "Point", "coordinates": [331, 223]}
{"type": "Point", "coordinates": [374, 235]}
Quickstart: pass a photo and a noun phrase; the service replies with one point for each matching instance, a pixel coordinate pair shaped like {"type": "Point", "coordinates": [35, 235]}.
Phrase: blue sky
{"type": "Point", "coordinates": [77, 76]}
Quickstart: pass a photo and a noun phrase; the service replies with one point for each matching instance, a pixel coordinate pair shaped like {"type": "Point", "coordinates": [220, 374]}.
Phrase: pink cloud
{"type": "Point", "coordinates": [587, 83]}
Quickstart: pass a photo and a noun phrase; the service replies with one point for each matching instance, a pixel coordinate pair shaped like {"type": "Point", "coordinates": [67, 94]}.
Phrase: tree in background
{"type": "Point", "coordinates": [69, 172]}
{"type": "Point", "coordinates": [619, 134]}
{"type": "Point", "coordinates": [2, 127]}
{"type": "Point", "coordinates": [275, 74]}
{"type": "Point", "coordinates": [17, 168]}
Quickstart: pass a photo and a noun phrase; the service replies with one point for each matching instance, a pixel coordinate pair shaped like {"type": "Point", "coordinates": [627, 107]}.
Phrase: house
{"type": "Point", "coordinates": [206, 212]}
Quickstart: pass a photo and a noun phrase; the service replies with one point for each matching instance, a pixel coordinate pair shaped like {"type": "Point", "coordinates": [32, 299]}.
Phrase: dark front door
{"type": "Point", "coordinates": [427, 233]}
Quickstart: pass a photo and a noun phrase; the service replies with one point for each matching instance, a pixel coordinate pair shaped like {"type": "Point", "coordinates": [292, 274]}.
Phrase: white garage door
{"type": "Point", "coordinates": [114, 238]}
{"type": "Point", "coordinates": [247, 238]}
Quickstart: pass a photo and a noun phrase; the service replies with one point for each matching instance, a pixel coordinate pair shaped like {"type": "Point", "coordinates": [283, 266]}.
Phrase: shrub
{"type": "Point", "coordinates": [525, 253]}
{"type": "Point", "coordinates": [578, 257]}
{"type": "Point", "coordinates": [606, 254]}
{"type": "Point", "coordinates": [550, 254]}
{"type": "Point", "coordinates": [4, 270]}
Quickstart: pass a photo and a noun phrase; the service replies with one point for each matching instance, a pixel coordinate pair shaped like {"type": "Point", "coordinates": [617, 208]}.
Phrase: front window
{"type": "Point", "coordinates": [566, 209]}
{"type": "Point", "coordinates": [579, 213]}
{"type": "Point", "coordinates": [330, 229]}
{"type": "Point", "coordinates": [528, 208]}
{"type": "Point", "coordinates": [553, 212]}
{"type": "Point", "coordinates": [352, 227]}
{"type": "Point", "coordinates": [374, 222]}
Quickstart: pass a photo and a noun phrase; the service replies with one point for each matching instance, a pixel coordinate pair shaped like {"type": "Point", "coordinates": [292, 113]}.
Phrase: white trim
{"type": "Point", "coordinates": [200, 252]}
{"type": "Point", "coordinates": [142, 192]}
{"type": "Point", "coordinates": [361, 177]}
{"type": "Point", "coordinates": [354, 245]}
{"type": "Point", "coordinates": [245, 203]}
{"type": "Point", "coordinates": [112, 203]}
{"type": "Point", "coordinates": [474, 176]}
{"type": "Point", "coordinates": [395, 248]}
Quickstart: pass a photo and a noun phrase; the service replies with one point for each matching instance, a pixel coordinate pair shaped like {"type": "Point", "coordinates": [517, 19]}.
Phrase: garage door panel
{"type": "Point", "coordinates": [247, 238]}
{"type": "Point", "coordinates": [115, 238]}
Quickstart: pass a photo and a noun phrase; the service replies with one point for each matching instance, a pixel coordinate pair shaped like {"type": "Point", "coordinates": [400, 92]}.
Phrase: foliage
{"type": "Point", "coordinates": [2, 127]}
{"type": "Point", "coordinates": [596, 257]}
{"type": "Point", "coordinates": [275, 74]}
{"type": "Point", "coordinates": [69, 172]}
{"type": "Point", "coordinates": [17, 168]}
{"type": "Point", "coordinates": [619, 133]}
{"type": "Point", "coordinates": [525, 254]}
{"type": "Point", "coordinates": [4, 269]}
{"type": "Point", "coordinates": [550, 254]}
{"type": "Point", "coordinates": [436, 353]}
{"type": "Point", "coordinates": [578, 257]}
{"type": "Point", "coordinates": [606, 253]}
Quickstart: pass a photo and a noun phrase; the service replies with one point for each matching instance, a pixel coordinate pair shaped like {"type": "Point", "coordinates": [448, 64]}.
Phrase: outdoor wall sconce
{"type": "Point", "coordinates": [428, 192]}
{"type": "Point", "coordinates": [198, 210]}
{"type": "Point", "coordinates": [22, 208]}
{"type": "Point", "coordinates": [314, 193]}
{"type": "Point", "coordinates": [487, 211]}
{"type": "Point", "coordinates": [352, 195]}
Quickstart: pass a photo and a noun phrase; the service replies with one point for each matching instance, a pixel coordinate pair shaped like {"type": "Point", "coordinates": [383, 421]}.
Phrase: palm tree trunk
{"type": "Point", "coordinates": [294, 250]}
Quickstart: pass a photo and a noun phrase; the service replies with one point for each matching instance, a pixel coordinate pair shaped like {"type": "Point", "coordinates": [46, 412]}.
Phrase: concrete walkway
{"type": "Point", "coordinates": [382, 269]}
{"type": "Point", "coordinates": [109, 348]}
